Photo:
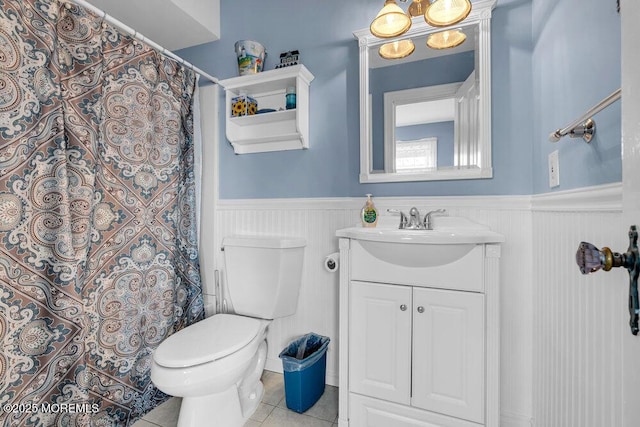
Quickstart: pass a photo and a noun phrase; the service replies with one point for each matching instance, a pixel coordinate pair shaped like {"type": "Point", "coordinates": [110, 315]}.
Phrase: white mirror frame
{"type": "Point", "coordinates": [481, 16]}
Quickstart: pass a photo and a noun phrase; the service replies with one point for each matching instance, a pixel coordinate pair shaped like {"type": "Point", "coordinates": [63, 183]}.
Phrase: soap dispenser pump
{"type": "Point", "coordinates": [369, 214]}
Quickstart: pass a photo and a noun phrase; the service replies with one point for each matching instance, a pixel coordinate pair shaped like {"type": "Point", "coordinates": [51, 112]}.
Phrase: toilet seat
{"type": "Point", "coordinates": [208, 340]}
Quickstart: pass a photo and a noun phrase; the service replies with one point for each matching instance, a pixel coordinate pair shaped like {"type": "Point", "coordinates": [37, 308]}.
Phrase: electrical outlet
{"type": "Point", "coordinates": [554, 170]}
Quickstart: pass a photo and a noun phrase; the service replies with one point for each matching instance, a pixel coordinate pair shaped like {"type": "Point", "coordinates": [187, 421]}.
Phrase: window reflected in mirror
{"type": "Point", "coordinates": [416, 155]}
{"type": "Point", "coordinates": [420, 128]}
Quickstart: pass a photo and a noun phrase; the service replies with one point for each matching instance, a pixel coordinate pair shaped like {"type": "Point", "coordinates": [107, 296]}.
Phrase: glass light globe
{"type": "Point", "coordinates": [391, 21]}
{"type": "Point", "coordinates": [442, 13]}
{"type": "Point", "coordinates": [397, 49]}
{"type": "Point", "coordinates": [446, 39]}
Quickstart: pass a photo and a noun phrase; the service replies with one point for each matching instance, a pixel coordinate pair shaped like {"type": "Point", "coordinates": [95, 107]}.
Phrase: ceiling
{"type": "Point", "coordinates": [421, 113]}
{"type": "Point", "coordinates": [173, 24]}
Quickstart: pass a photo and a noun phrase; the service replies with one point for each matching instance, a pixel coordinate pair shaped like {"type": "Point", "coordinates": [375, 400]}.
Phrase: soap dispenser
{"type": "Point", "coordinates": [369, 213]}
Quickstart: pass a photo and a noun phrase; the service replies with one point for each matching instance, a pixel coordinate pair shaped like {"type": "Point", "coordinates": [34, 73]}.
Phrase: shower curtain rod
{"type": "Point", "coordinates": [136, 35]}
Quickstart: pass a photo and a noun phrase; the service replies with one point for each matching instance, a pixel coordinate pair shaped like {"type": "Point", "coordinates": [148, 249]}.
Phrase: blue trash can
{"type": "Point", "coordinates": [304, 362]}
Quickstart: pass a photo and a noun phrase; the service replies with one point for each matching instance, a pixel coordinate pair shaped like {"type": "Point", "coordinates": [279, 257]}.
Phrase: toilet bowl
{"type": "Point", "coordinates": [222, 373]}
{"type": "Point", "coordinates": [215, 365]}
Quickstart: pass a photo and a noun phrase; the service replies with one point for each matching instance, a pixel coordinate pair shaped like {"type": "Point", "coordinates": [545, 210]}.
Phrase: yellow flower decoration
{"type": "Point", "coordinates": [239, 108]}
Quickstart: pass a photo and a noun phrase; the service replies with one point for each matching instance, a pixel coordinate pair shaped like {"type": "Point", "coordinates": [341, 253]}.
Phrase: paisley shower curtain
{"type": "Point", "coordinates": [98, 245]}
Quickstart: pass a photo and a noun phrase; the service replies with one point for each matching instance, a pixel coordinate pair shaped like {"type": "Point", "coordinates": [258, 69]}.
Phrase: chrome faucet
{"type": "Point", "coordinates": [403, 217]}
{"type": "Point", "coordinates": [428, 221]}
{"type": "Point", "coordinates": [413, 221]}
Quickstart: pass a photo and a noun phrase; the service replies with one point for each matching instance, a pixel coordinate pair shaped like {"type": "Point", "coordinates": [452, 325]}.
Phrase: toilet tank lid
{"type": "Point", "coordinates": [274, 242]}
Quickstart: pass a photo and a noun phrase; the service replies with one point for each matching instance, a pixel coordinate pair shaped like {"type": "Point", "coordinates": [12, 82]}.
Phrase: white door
{"type": "Point", "coordinates": [465, 148]}
{"type": "Point", "coordinates": [380, 341]}
{"type": "Point", "coordinates": [448, 353]}
{"type": "Point", "coordinates": [630, 11]}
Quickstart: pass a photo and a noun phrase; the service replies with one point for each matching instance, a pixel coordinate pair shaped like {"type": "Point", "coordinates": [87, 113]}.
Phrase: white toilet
{"type": "Point", "coordinates": [215, 365]}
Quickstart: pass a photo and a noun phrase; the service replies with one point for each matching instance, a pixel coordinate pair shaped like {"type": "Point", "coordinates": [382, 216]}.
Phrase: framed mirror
{"type": "Point", "coordinates": [427, 116]}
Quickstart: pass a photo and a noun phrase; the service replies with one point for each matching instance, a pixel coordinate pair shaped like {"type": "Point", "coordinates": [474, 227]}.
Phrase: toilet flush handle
{"type": "Point", "coordinates": [216, 276]}
{"type": "Point", "coordinates": [591, 259]}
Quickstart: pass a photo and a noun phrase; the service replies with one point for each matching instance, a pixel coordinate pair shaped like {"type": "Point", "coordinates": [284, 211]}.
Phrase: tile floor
{"type": "Point", "coordinates": [272, 412]}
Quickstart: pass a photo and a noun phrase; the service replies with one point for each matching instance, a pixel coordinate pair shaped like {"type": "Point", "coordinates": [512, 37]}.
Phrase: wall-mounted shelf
{"type": "Point", "coordinates": [274, 131]}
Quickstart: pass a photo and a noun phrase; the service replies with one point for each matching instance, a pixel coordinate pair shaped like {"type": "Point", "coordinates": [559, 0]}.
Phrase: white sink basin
{"type": "Point", "coordinates": [452, 240]}
{"type": "Point", "coordinates": [447, 231]}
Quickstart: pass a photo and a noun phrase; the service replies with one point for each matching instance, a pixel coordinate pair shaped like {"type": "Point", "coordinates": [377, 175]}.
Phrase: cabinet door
{"type": "Point", "coordinates": [380, 341]}
{"type": "Point", "coordinates": [370, 412]}
{"type": "Point", "coordinates": [448, 353]}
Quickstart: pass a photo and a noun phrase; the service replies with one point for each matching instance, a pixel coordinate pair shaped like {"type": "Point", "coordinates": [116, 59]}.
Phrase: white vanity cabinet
{"type": "Point", "coordinates": [419, 330]}
{"type": "Point", "coordinates": [418, 346]}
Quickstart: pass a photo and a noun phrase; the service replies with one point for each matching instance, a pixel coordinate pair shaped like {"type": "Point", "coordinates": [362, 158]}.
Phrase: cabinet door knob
{"type": "Point", "coordinates": [403, 307]}
{"type": "Point", "coordinates": [421, 309]}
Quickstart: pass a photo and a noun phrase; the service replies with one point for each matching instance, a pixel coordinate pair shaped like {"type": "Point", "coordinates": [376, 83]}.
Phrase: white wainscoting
{"type": "Point", "coordinates": [577, 329]}
{"type": "Point", "coordinates": [318, 219]}
{"type": "Point", "coordinates": [318, 302]}
{"type": "Point", "coordinates": [560, 331]}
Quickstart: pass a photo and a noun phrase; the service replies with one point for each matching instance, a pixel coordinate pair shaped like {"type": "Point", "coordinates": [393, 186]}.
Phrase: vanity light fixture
{"type": "Point", "coordinates": [397, 49]}
{"type": "Point", "coordinates": [391, 21]}
{"type": "Point", "coordinates": [418, 7]}
{"type": "Point", "coordinates": [446, 39]}
{"type": "Point", "coordinates": [442, 13]}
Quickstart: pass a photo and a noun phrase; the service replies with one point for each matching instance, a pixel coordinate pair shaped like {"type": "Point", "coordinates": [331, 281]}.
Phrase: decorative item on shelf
{"type": "Point", "coordinates": [290, 97]}
{"type": "Point", "coordinates": [243, 105]}
{"type": "Point", "coordinates": [446, 39]}
{"type": "Point", "coordinates": [288, 59]}
{"type": "Point", "coordinates": [251, 55]}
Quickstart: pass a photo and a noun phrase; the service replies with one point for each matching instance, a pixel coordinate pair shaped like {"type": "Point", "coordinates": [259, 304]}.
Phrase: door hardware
{"type": "Point", "coordinates": [591, 259]}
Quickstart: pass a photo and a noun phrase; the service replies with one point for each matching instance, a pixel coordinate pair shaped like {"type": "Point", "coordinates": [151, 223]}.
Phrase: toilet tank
{"type": "Point", "coordinates": [263, 274]}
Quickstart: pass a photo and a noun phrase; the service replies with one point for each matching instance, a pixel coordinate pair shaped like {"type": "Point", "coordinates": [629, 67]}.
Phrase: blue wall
{"type": "Point", "coordinates": [576, 63]}
{"type": "Point", "coordinates": [322, 31]}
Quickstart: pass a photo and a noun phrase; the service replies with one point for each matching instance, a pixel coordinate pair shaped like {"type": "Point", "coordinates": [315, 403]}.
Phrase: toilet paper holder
{"type": "Point", "coordinates": [332, 262]}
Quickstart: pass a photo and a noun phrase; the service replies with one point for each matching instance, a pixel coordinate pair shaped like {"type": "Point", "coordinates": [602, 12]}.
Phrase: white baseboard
{"type": "Point", "coordinates": [508, 419]}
